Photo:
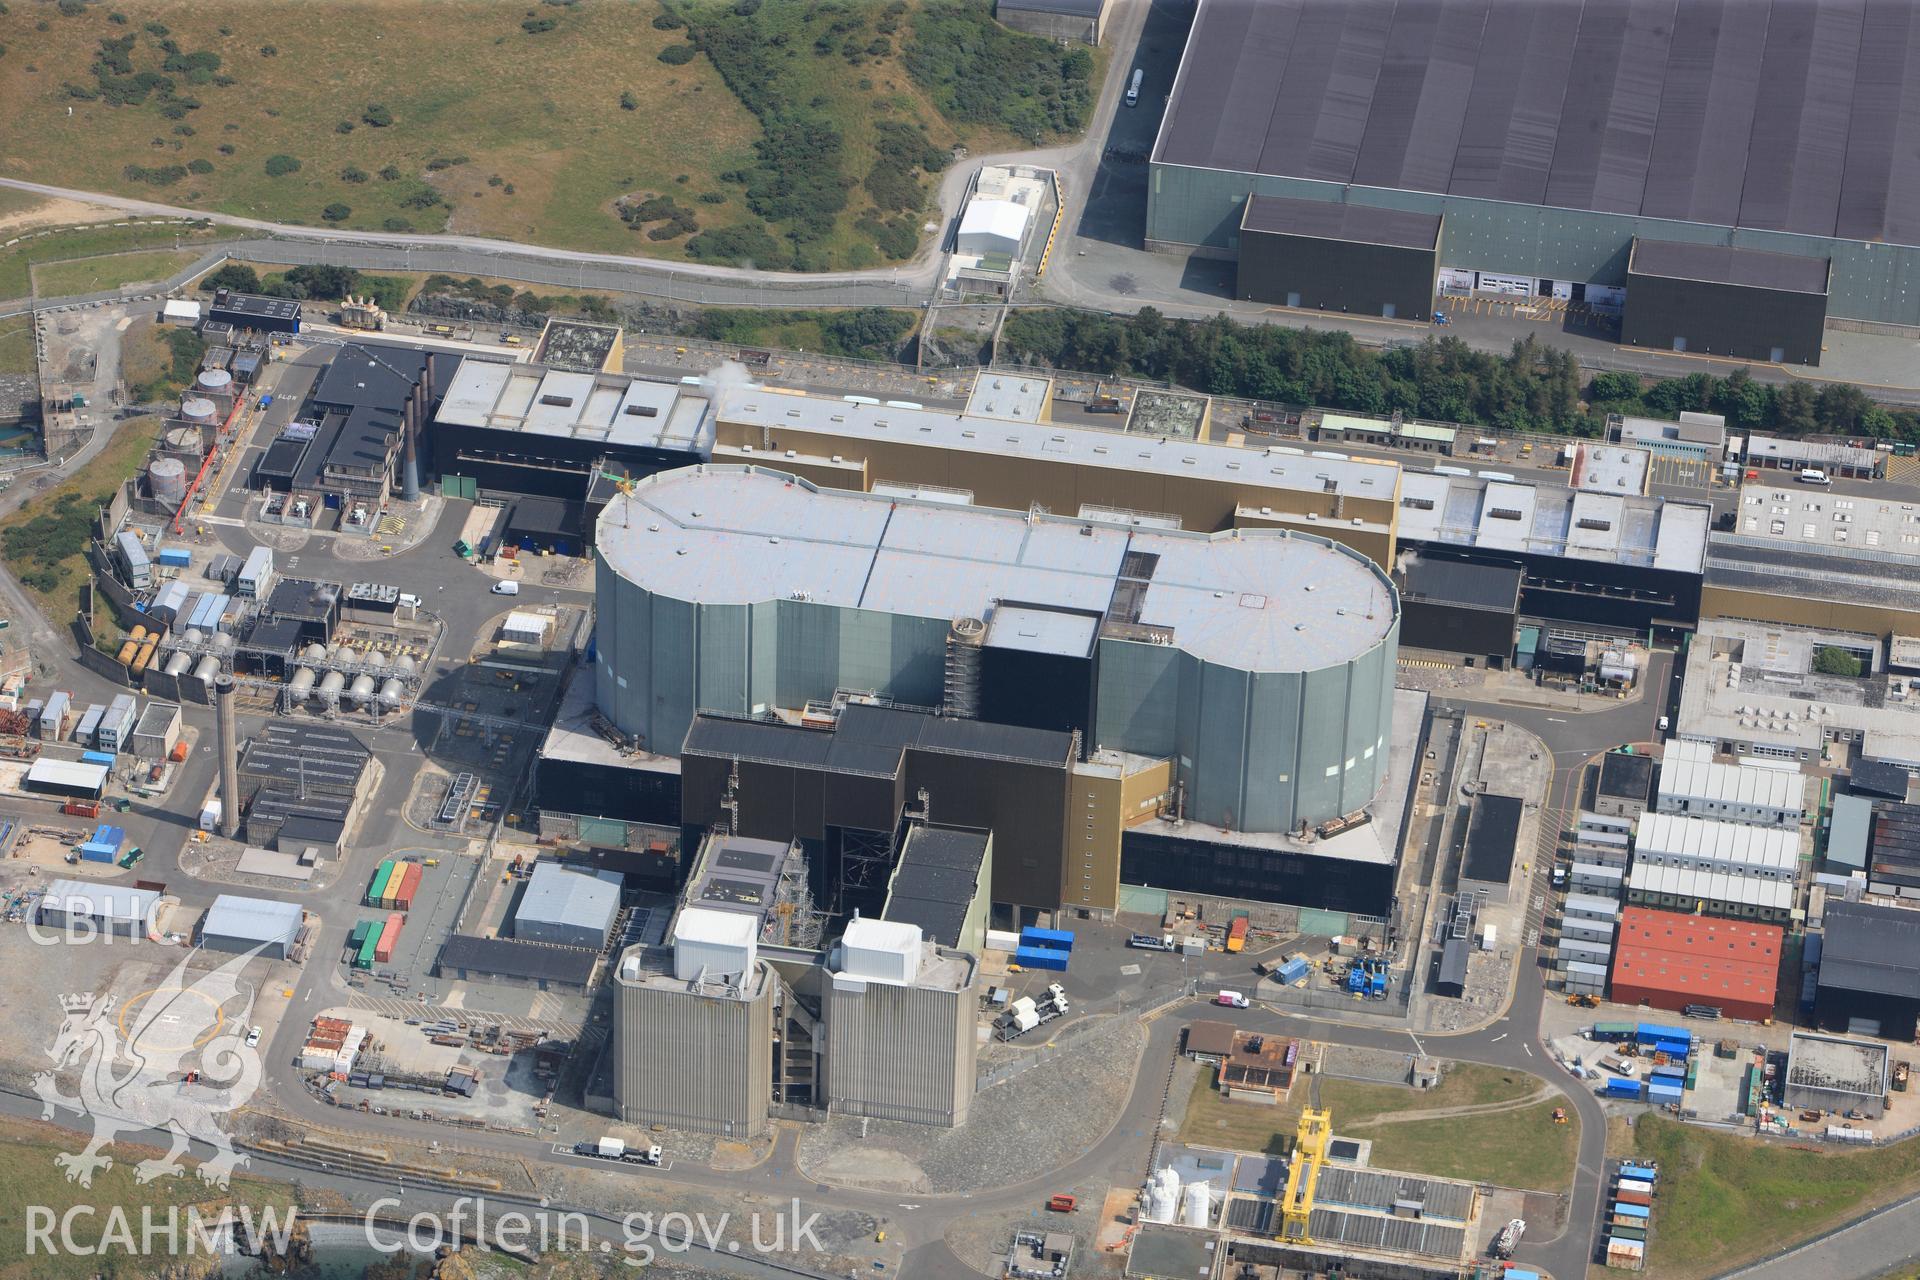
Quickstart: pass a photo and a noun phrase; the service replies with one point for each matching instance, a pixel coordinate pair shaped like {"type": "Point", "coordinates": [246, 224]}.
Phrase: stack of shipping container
{"type": "Point", "coordinates": [1631, 1215]}
{"type": "Point", "coordinates": [1043, 948]}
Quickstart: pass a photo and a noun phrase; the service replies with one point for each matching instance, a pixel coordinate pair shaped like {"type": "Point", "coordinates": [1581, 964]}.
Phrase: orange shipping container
{"type": "Point", "coordinates": [403, 896]}
{"type": "Point", "coordinates": [383, 950]}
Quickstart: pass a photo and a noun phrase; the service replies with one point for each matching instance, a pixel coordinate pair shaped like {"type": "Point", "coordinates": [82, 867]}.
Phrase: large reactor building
{"type": "Point", "coordinates": [1729, 172]}
{"type": "Point", "coordinates": [1260, 661]}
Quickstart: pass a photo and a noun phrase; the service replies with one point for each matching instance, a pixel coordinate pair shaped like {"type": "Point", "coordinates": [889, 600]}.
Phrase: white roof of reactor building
{"type": "Point", "coordinates": [1254, 600]}
{"type": "Point", "coordinates": [724, 928]}
{"type": "Point", "coordinates": [1553, 520]}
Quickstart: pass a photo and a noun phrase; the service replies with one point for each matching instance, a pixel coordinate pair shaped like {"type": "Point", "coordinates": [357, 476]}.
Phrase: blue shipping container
{"type": "Point", "coordinates": [176, 556]}
{"type": "Point", "coordinates": [1652, 1032]}
{"type": "Point", "coordinates": [92, 852]}
{"type": "Point", "coordinates": [1040, 958]}
{"type": "Point", "coordinates": [98, 757]}
{"type": "Point", "coordinates": [1641, 1171]}
{"type": "Point", "coordinates": [1622, 1210]}
{"type": "Point", "coordinates": [1672, 1048]}
{"type": "Point", "coordinates": [1617, 1088]}
{"type": "Point", "coordinates": [1295, 969]}
{"type": "Point", "coordinates": [1516, 1273]}
{"type": "Point", "coordinates": [1059, 939]}
{"type": "Point", "coordinates": [1677, 1073]}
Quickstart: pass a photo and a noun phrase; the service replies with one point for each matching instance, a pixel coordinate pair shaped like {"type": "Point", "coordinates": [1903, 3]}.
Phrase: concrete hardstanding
{"type": "Point", "coordinates": [900, 1052]}
{"type": "Point", "coordinates": [692, 1060]}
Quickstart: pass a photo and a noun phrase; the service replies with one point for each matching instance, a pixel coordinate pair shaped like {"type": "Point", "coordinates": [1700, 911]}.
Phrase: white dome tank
{"type": "Point", "coordinates": [1163, 1196]}
{"type": "Point", "coordinates": [301, 685]}
{"type": "Point", "coordinates": [199, 409]}
{"type": "Point", "coordinates": [390, 694]}
{"type": "Point", "coordinates": [222, 641]}
{"type": "Point", "coordinates": [214, 380]}
{"type": "Point", "coordinates": [194, 635]}
{"type": "Point", "coordinates": [331, 684]}
{"type": "Point", "coordinates": [206, 669]}
{"type": "Point", "coordinates": [314, 653]}
{"type": "Point", "coordinates": [178, 663]}
{"type": "Point", "coordinates": [362, 690]}
{"type": "Point", "coordinates": [1196, 1207]}
{"type": "Point", "coordinates": [375, 659]}
{"type": "Point", "coordinates": [404, 665]}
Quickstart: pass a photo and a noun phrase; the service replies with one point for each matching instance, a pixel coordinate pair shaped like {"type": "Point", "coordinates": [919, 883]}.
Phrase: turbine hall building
{"type": "Point", "coordinates": [1260, 661]}
{"type": "Point", "coordinates": [1727, 173]}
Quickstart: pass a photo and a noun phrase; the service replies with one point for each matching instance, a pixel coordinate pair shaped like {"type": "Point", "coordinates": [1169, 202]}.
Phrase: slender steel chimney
{"type": "Point", "coordinates": [229, 746]}
{"type": "Point", "coordinates": [417, 407]}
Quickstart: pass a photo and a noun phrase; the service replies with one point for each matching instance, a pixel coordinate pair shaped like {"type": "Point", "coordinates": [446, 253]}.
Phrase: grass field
{"type": "Point", "coordinates": [525, 123]}
{"type": "Point", "coordinates": [1516, 1147]}
{"type": "Point", "coordinates": [45, 540]}
{"type": "Point", "coordinates": [30, 1177]}
{"type": "Point", "coordinates": [1724, 1199]}
{"type": "Point", "coordinates": [67, 244]}
{"type": "Point", "coordinates": [16, 345]}
{"type": "Point", "coordinates": [92, 275]}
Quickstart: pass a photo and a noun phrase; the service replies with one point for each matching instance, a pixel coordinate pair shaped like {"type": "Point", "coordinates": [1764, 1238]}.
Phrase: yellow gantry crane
{"type": "Point", "coordinates": [1303, 1168]}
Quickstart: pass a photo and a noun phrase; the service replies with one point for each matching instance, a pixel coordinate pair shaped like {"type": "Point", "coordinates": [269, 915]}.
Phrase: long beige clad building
{"type": "Point", "coordinates": [1077, 472]}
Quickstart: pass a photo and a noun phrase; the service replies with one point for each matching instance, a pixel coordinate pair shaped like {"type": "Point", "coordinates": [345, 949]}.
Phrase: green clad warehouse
{"type": "Point", "coordinates": [1548, 138]}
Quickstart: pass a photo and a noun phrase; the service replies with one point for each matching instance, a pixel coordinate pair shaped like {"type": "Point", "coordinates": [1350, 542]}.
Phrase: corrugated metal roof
{"type": "Point", "coordinates": [1779, 115]}
{"type": "Point", "coordinates": [1688, 770]}
{"type": "Point", "coordinates": [1331, 220]}
{"type": "Point", "coordinates": [252, 919]}
{"type": "Point", "coordinates": [1723, 264]}
{"type": "Point", "coordinates": [1696, 956]}
{"type": "Point", "coordinates": [1732, 843]}
{"type": "Point", "coordinates": [561, 895]}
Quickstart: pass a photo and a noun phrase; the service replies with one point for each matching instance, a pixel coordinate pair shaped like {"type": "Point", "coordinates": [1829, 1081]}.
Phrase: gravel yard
{"type": "Point", "coordinates": [1034, 1122]}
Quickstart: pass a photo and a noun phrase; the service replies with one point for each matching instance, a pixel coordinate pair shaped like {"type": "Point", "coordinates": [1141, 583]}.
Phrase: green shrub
{"type": "Point", "coordinates": [391, 173]}
{"type": "Point", "coordinates": [677, 55]}
{"type": "Point", "coordinates": [232, 275]}
{"type": "Point", "coordinates": [337, 212]}
{"type": "Point", "coordinates": [1829, 660]}
{"type": "Point", "coordinates": [979, 72]}
{"type": "Point", "coordinates": [280, 165]}
{"type": "Point", "coordinates": [200, 166]}
{"type": "Point", "coordinates": [353, 174]}
{"type": "Point", "coordinates": [377, 116]}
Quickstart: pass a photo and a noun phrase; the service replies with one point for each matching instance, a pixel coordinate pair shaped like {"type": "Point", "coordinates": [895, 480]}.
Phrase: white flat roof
{"type": "Point", "coordinates": [1733, 843]}
{"type": "Point", "coordinates": [604, 408]}
{"type": "Point", "coordinates": [1254, 600]}
{"type": "Point", "coordinates": [1002, 218]}
{"type": "Point", "coordinates": [101, 901]}
{"type": "Point", "coordinates": [1553, 520]}
{"type": "Point", "coordinates": [67, 773]}
{"type": "Point", "coordinates": [1012, 397]}
{"type": "Point", "coordinates": [254, 919]}
{"type": "Point", "coordinates": [870, 934]}
{"type": "Point", "coordinates": [728, 928]}
{"type": "Point", "coordinates": [1291, 471]}
{"type": "Point", "coordinates": [1711, 886]}
{"type": "Point", "coordinates": [1689, 769]}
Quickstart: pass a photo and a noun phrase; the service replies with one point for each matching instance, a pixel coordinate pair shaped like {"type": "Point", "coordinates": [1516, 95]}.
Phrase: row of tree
{"type": "Point", "coordinates": [1533, 387]}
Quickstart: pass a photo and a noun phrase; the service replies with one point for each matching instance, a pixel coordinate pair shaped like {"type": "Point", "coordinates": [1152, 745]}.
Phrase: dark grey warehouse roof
{"type": "Point", "coordinates": [1871, 949]}
{"type": "Point", "coordinates": [1458, 582]}
{"type": "Point", "coordinates": [1328, 220]}
{"type": "Point", "coordinates": [1722, 264]}
{"type": "Point", "coordinates": [514, 958]}
{"type": "Point", "coordinates": [934, 885]}
{"type": "Point", "coordinates": [869, 740]}
{"type": "Point", "coordinates": [1783, 115]}
{"type": "Point", "coordinates": [1626, 777]}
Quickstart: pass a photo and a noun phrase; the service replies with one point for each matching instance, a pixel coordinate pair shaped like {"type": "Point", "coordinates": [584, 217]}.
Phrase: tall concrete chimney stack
{"type": "Point", "coordinates": [229, 746]}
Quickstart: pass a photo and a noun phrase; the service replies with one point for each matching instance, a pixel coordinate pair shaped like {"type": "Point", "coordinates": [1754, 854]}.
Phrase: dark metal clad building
{"type": "Point", "coordinates": [1717, 300]}
{"type": "Point", "coordinates": [1457, 606]}
{"type": "Point", "coordinates": [1870, 970]}
{"type": "Point", "coordinates": [1550, 135]}
{"type": "Point", "coordinates": [1339, 257]}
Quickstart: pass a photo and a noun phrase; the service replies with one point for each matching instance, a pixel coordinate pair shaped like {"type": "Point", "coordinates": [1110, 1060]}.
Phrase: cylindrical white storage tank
{"type": "Point", "coordinates": [214, 380]}
{"type": "Point", "coordinates": [1196, 1208]}
{"type": "Point", "coordinates": [301, 686]}
{"type": "Point", "coordinates": [391, 692]}
{"type": "Point", "coordinates": [375, 659]}
{"type": "Point", "coordinates": [199, 409]}
{"type": "Point", "coordinates": [194, 635]}
{"type": "Point", "coordinates": [177, 663]}
{"type": "Point", "coordinates": [206, 669]}
{"type": "Point", "coordinates": [314, 653]}
{"type": "Point", "coordinates": [361, 691]}
{"type": "Point", "coordinates": [185, 440]}
{"type": "Point", "coordinates": [223, 640]}
{"type": "Point", "coordinates": [1163, 1196]}
{"type": "Point", "coordinates": [168, 478]}
{"type": "Point", "coordinates": [404, 664]}
{"type": "Point", "coordinates": [331, 684]}
{"type": "Point", "coordinates": [336, 652]}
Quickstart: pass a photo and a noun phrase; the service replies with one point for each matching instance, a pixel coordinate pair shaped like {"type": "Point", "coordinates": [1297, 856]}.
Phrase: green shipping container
{"type": "Point", "coordinates": [359, 934]}
{"type": "Point", "coordinates": [1614, 1030]}
{"type": "Point", "coordinates": [1627, 1233]}
{"type": "Point", "coordinates": [378, 889]}
{"type": "Point", "coordinates": [364, 960]}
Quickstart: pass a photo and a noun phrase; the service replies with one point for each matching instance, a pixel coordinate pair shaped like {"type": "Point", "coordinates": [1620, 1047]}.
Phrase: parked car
{"type": "Point", "coordinates": [253, 1038]}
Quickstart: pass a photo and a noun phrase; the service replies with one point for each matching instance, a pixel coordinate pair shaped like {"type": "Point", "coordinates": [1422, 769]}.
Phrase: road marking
{"type": "Point", "coordinates": [1497, 1039]}
{"type": "Point", "coordinates": [1527, 1047]}
{"type": "Point", "coordinates": [1556, 719]}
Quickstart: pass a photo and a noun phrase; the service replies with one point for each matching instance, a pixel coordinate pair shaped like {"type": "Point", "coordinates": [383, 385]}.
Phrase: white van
{"type": "Point", "coordinates": [1814, 476]}
{"type": "Point", "coordinates": [1133, 86]}
{"type": "Point", "coordinates": [1232, 1000]}
{"type": "Point", "coordinates": [506, 588]}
